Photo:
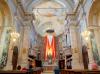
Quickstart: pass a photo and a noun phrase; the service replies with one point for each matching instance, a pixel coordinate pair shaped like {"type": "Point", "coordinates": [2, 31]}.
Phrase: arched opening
{"type": "Point", "coordinates": [6, 27]}
{"type": "Point", "coordinates": [94, 27]}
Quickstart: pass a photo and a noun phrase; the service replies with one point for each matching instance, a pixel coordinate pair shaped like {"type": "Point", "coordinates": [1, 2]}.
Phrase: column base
{"type": "Point", "coordinates": [8, 67]}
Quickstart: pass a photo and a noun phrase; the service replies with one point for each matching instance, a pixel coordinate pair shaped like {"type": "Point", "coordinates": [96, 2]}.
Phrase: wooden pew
{"type": "Point", "coordinates": [35, 71]}
{"type": "Point", "coordinates": [70, 71]}
{"type": "Point", "coordinates": [63, 71]}
{"type": "Point", "coordinates": [93, 72]}
{"type": "Point", "coordinates": [12, 72]}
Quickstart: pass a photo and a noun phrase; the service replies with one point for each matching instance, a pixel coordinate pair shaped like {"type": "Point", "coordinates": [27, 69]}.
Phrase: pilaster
{"type": "Point", "coordinates": [76, 64]}
{"type": "Point", "coordinates": [25, 45]}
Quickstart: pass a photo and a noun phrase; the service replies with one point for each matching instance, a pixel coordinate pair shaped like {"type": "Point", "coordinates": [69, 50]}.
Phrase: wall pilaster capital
{"type": "Point", "coordinates": [71, 20]}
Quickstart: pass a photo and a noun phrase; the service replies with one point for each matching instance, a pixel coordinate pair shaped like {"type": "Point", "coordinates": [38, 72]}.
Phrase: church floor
{"type": "Point", "coordinates": [47, 72]}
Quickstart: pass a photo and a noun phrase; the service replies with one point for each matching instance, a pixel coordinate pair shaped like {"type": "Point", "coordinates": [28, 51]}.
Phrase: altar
{"type": "Point", "coordinates": [49, 67]}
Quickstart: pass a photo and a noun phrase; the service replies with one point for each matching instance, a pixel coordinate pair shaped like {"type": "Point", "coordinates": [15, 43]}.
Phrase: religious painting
{"type": "Point", "coordinates": [5, 48]}
{"type": "Point", "coordinates": [95, 50]}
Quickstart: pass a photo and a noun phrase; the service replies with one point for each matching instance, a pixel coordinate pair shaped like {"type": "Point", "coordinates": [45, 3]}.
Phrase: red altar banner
{"type": "Point", "coordinates": [50, 47]}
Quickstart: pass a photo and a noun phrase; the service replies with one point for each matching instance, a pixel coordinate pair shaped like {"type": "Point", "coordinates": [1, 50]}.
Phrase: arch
{"type": "Point", "coordinates": [5, 28]}
{"type": "Point", "coordinates": [94, 9]}
{"type": "Point", "coordinates": [5, 12]}
{"type": "Point", "coordinates": [64, 3]}
{"type": "Point", "coordinates": [93, 26]}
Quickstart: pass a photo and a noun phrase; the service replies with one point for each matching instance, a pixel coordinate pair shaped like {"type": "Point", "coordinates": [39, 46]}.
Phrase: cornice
{"type": "Point", "coordinates": [24, 15]}
{"type": "Point", "coordinates": [92, 27]}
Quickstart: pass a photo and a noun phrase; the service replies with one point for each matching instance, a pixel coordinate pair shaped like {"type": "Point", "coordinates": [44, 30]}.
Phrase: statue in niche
{"type": "Point", "coordinates": [15, 57]}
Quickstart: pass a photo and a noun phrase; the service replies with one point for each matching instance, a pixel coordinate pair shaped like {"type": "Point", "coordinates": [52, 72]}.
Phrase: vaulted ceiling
{"type": "Point", "coordinates": [30, 4]}
{"type": "Point", "coordinates": [49, 14]}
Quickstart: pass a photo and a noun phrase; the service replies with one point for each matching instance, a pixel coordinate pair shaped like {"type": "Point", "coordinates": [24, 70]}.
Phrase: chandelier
{"type": "Point", "coordinates": [86, 35]}
{"type": "Point", "coordinates": [14, 36]}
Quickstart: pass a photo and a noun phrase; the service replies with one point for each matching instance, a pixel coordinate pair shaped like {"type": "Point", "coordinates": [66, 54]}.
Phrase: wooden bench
{"type": "Point", "coordinates": [12, 72]}
{"type": "Point", "coordinates": [35, 71]}
{"type": "Point", "coordinates": [70, 71]}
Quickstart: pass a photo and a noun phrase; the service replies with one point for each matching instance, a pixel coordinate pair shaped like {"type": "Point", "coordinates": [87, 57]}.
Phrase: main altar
{"type": "Point", "coordinates": [49, 67]}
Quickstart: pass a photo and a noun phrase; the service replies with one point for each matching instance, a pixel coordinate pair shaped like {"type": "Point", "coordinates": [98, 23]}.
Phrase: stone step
{"type": "Point", "coordinates": [47, 72]}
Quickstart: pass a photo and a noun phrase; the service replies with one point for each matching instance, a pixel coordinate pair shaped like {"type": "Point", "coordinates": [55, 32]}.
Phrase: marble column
{"type": "Point", "coordinates": [10, 54]}
{"type": "Point", "coordinates": [23, 52]}
{"type": "Point", "coordinates": [20, 45]}
{"type": "Point", "coordinates": [76, 63]}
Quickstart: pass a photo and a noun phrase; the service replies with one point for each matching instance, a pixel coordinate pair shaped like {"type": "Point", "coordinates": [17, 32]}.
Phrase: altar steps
{"type": "Point", "coordinates": [47, 72]}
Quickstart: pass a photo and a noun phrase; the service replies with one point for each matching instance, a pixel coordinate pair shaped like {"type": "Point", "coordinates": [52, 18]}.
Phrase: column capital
{"type": "Point", "coordinates": [93, 27]}
{"type": "Point", "coordinates": [73, 27]}
{"type": "Point", "coordinates": [72, 20]}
